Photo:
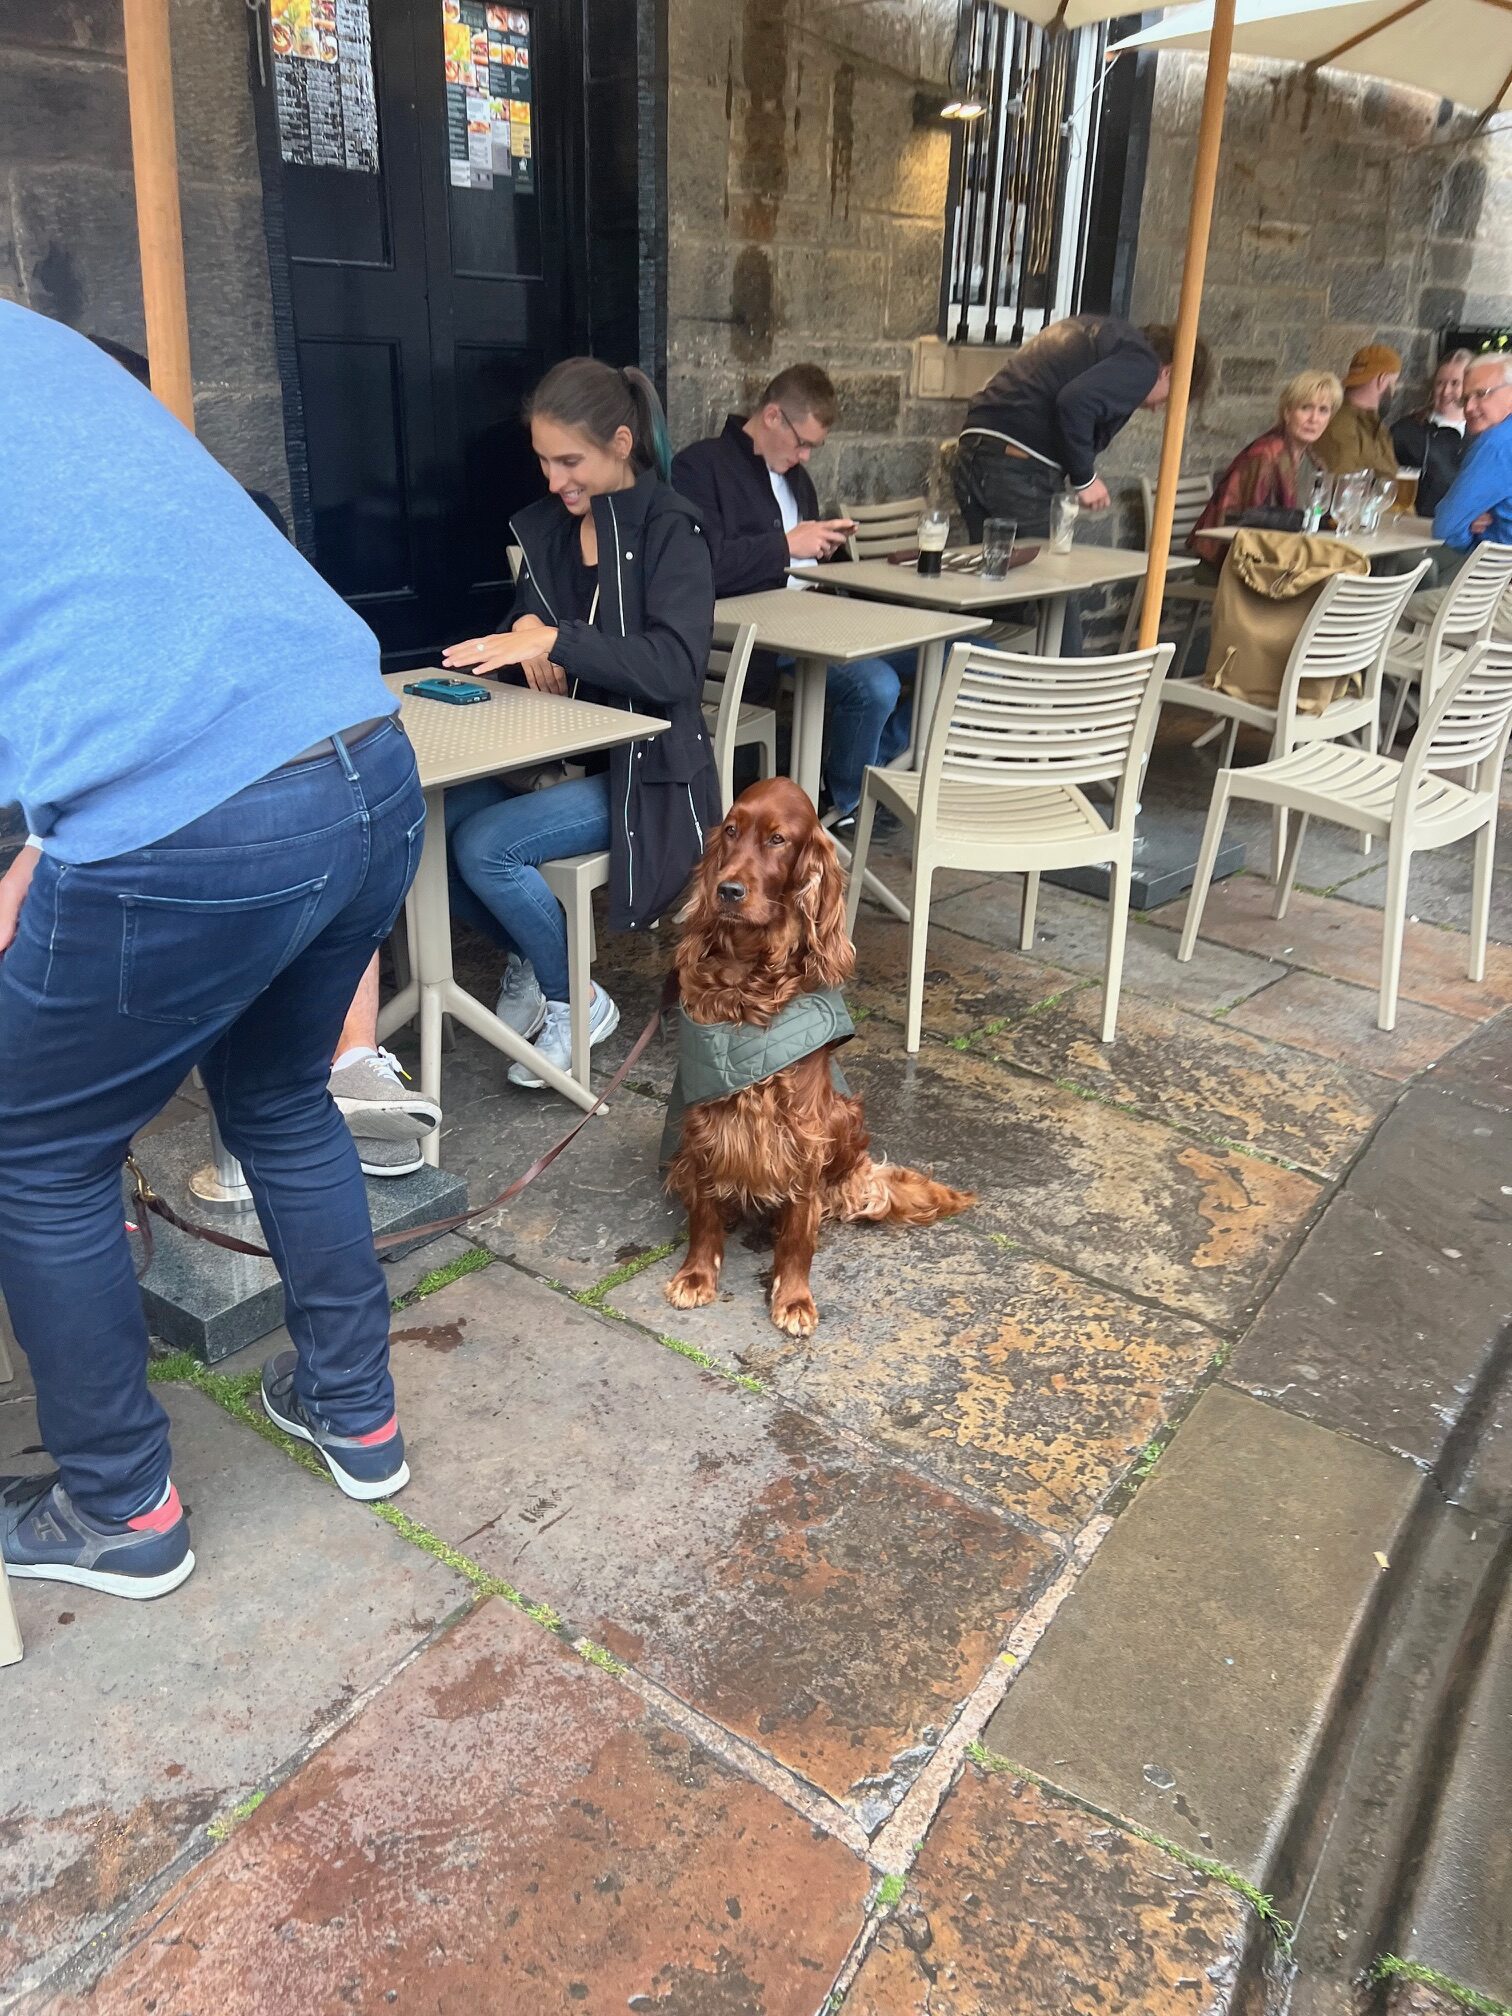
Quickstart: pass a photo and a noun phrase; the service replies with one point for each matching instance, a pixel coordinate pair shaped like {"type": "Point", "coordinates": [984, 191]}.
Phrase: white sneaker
{"type": "Point", "coordinates": [555, 1040]}
{"type": "Point", "coordinates": [521, 1005]}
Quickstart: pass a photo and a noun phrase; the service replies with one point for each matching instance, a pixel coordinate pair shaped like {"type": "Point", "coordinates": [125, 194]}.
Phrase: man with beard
{"type": "Point", "coordinates": [1357, 437]}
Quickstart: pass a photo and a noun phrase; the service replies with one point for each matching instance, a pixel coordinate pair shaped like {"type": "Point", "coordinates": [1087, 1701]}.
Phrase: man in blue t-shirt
{"type": "Point", "coordinates": [224, 817]}
{"type": "Point", "coordinates": [1478, 503]}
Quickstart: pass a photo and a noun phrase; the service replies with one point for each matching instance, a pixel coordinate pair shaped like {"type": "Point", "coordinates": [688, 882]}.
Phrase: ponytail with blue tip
{"type": "Point", "coordinates": [597, 400]}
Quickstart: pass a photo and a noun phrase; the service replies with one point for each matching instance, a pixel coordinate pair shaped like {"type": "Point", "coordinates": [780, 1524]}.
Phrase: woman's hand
{"type": "Point", "coordinates": [543, 676]}
{"type": "Point", "coordinates": [527, 645]}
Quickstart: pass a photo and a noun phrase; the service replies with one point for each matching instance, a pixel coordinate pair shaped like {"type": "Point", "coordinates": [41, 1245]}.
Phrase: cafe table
{"type": "Point", "coordinates": [1397, 535]}
{"type": "Point", "coordinates": [514, 729]}
{"type": "Point", "coordinates": [1047, 580]}
{"type": "Point", "coordinates": [817, 631]}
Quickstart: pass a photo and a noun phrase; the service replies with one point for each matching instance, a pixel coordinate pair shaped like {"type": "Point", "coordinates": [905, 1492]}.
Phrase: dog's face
{"type": "Point", "coordinates": [770, 871]}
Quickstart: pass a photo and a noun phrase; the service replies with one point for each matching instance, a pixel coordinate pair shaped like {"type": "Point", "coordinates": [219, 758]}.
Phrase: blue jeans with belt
{"type": "Point", "coordinates": [235, 944]}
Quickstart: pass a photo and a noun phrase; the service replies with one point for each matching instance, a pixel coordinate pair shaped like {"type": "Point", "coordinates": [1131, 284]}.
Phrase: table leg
{"type": "Point", "coordinates": [434, 990]}
{"type": "Point", "coordinates": [1051, 625]}
{"type": "Point", "coordinates": [931, 670]}
{"type": "Point", "coordinates": [809, 675]}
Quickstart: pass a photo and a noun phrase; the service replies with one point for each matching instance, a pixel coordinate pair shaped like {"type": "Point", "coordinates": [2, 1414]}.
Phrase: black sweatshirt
{"type": "Point", "coordinates": [1068, 391]}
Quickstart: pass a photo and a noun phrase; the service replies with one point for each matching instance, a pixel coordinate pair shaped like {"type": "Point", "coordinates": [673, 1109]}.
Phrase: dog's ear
{"type": "Point", "coordinates": [829, 957]}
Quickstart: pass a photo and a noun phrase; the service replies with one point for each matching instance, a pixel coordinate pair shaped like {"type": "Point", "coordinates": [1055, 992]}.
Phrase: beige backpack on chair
{"type": "Point", "coordinates": [1265, 592]}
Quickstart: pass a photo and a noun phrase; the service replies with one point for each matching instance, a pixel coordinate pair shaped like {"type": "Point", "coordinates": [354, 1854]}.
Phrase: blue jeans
{"type": "Point", "coordinates": [235, 944]}
{"type": "Point", "coordinates": [496, 841]}
{"type": "Point", "coordinates": [865, 722]}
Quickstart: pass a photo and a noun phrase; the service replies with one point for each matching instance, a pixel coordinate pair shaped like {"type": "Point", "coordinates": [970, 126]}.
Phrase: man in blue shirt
{"type": "Point", "coordinates": [1478, 503]}
{"type": "Point", "coordinates": [224, 819]}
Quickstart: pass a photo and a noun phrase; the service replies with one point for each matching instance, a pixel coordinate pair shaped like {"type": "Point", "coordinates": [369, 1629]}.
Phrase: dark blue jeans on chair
{"type": "Point", "coordinates": [235, 944]}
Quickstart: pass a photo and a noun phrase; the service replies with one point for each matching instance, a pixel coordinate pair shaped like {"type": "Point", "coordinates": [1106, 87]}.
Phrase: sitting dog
{"type": "Point", "coordinates": [768, 1122]}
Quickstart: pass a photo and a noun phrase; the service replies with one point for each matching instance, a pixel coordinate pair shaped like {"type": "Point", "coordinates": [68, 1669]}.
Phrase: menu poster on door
{"type": "Point", "coordinates": [488, 129]}
{"type": "Point", "coordinates": [323, 84]}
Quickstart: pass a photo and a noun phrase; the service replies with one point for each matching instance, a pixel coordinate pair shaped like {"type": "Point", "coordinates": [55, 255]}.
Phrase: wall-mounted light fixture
{"type": "Point", "coordinates": [963, 97]}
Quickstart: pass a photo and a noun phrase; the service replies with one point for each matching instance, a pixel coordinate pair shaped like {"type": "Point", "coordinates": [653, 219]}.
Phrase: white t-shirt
{"type": "Point", "coordinates": [787, 504]}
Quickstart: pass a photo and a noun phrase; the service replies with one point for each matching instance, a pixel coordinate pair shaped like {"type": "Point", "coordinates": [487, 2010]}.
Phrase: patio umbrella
{"type": "Point", "coordinates": [1459, 49]}
{"type": "Point", "coordinates": [1218, 38]}
{"type": "Point", "coordinates": [160, 237]}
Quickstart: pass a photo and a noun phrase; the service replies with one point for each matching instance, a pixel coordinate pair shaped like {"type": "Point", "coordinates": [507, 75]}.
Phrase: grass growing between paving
{"type": "Point", "coordinates": [470, 1262]}
{"type": "Point", "coordinates": [1263, 1906]}
{"type": "Point", "coordinates": [597, 1299]}
{"type": "Point", "coordinates": [1390, 1968]}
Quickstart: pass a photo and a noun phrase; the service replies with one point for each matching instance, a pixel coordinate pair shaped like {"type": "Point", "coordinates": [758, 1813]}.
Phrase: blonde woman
{"type": "Point", "coordinates": [1269, 474]}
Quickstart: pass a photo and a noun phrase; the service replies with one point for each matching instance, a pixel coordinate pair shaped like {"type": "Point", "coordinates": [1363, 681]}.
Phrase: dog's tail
{"type": "Point", "coordinates": [906, 1196]}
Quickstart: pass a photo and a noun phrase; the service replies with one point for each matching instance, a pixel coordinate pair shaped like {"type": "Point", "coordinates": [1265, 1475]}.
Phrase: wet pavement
{"type": "Point", "coordinates": [1127, 1548]}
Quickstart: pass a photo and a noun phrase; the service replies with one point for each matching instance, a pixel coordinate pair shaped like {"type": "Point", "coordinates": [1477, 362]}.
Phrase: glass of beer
{"type": "Point", "coordinates": [1406, 492]}
{"type": "Point", "coordinates": [934, 530]}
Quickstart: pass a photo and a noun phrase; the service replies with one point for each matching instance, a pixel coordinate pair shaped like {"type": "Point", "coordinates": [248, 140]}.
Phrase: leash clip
{"type": "Point", "coordinates": [145, 1195]}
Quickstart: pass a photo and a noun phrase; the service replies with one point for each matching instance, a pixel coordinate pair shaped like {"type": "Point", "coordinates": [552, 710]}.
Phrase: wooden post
{"type": "Point", "coordinates": [1199, 225]}
{"type": "Point", "coordinates": [160, 235]}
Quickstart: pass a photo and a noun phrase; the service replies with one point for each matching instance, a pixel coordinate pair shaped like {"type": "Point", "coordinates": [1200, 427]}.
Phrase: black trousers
{"type": "Point", "coordinates": [992, 484]}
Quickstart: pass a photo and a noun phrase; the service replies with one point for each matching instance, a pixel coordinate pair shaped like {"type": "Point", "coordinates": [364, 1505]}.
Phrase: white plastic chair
{"type": "Point", "coordinates": [881, 529]}
{"type": "Point", "coordinates": [1192, 495]}
{"type": "Point", "coordinates": [1347, 633]}
{"type": "Point", "coordinates": [1013, 742]}
{"type": "Point", "coordinates": [1410, 804]}
{"type": "Point", "coordinates": [573, 879]}
{"type": "Point", "coordinates": [1463, 614]}
{"type": "Point", "coordinates": [10, 1630]}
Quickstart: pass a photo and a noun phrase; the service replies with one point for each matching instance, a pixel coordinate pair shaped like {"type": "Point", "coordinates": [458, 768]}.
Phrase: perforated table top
{"type": "Point", "coordinates": [1397, 535]}
{"type": "Point", "coordinates": [513, 729]}
{"type": "Point", "coordinates": [1047, 574]}
{"type": "Point", "coordinates": [839, 630]}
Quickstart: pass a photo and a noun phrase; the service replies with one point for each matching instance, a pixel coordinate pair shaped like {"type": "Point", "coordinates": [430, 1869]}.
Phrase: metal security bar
{"type": "Point", "coordinates": [1022, 177]}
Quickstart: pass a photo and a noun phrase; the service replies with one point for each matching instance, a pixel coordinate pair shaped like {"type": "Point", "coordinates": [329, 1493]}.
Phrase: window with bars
{"type": "Point", "coordinates": [1040, 183]}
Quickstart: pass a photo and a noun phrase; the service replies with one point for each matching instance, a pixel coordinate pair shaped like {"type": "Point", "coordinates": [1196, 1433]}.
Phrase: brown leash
{"type": "Point", "coordinates": [150, 1205]}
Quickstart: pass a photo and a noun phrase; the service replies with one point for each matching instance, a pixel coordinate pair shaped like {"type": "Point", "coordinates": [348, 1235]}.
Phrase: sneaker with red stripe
{"type": "Point", "coordinates": [366, 1466]}
{"type": "Point", "coordinates": [44, 1537]}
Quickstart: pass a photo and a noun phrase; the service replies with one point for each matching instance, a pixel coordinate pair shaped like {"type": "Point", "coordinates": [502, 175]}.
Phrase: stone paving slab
{"type": "Point", "coordinates": [1150, 1211]}
{"type": "Point", "coordinates": [1343, 941]}
{"type": "Point", "coordinates": [965, 985]}
{"type": "Point", "coordinates": [996, 1371]}
{"type": "Point", "coordinates": [1482, 1068]}
{"type": "Point", "coordinates": [1022, 1905]}
{"type": "Point", "coordinates": [1374, 1331]}
{"type": "Point", "coordinates": [1440, 886]}
{"type": "Point", "coordinates": [503, 1828]}
{"type": "Point", "coordinates": [1442, 1168]}
{"type": "Point", "coordinates": [1205, 1075]}
{"type": "Point", "coordinates": [1073, 932]}
{"type": "Point", "coordinates": [816, 1598]}
{"type": "Point", "coordinates": [128, 1726]}
{"type": "Point", "coordinates": [1335, 1020]}
{"type": "Point", "coordinates": [1188, 1681]}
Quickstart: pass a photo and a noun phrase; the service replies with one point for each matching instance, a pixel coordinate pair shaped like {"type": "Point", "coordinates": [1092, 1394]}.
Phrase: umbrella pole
{"type": "Point", "coordinates": [154, 160]}
{"type": "Point", "coordinates": [1199, 226]}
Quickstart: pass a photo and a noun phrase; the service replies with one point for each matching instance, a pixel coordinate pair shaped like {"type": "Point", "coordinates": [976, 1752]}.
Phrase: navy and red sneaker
{"type": "Point", "coordinates": [44, 1537]}
{"type": "Point", "coordinates": [365, 1466]}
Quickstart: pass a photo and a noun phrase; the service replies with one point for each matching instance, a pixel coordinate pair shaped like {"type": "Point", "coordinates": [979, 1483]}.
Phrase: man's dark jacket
{"type": "Point", "coordinates": [1069, 390]}
{"type": "Point", "coordinates": [1437, 451]}
{"type": "Point", "coordinates": [647, 651]}
{"type": "Point", "coordinates": [731, 488]}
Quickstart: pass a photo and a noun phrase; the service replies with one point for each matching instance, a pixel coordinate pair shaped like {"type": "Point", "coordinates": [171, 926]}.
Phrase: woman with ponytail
{"type": "Point", "coordinates": [615, 603]}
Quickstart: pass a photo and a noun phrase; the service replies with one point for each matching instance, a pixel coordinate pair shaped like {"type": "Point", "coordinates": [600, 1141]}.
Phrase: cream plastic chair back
{"type": "Point", "coordinates": [1192, 494]}
{"type": "Point", "coordinates": [1467, 726]}
{"type": "Point", "coordinates": [723, 698]}
{"type": "Point", "coordinates": [1466, 613]}
{"type": "Point", "coordinates": [1347, 633]}
{"type": "Point", "coordinates": [1012, 744]}
{"type": "Point", "coordinates": [881, 529]}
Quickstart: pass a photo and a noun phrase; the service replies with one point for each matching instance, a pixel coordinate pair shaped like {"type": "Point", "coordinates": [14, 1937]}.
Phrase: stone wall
{"type": "Point", "coordinates": [67, 212]}
{"type": "Point", "coordinates": [805, 219]}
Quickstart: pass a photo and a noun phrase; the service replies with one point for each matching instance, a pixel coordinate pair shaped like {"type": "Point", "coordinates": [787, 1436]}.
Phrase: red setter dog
{"type": "Point", "coordinates": [766, 922]}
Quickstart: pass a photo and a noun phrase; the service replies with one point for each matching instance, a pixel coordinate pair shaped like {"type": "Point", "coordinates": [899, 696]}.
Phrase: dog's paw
{"type": "Point", "coordinates": [794, 1311]}
{"type": "Point", "coordinates": [692, 1288]}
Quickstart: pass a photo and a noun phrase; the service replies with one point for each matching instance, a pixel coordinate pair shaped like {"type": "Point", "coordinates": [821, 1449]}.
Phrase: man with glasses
{"type": "Point", "coordinates": [1478, 503]}
{"type": "Point", "coordinates": [760, 512]}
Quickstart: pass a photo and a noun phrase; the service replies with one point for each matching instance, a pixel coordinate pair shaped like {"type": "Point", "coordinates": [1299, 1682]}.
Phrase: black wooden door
{"type": "Point", "coordinates": [430, 281]}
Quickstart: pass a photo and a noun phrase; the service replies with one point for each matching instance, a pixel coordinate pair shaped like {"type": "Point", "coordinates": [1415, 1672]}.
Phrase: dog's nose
{"type": "Point", "coordinates": [732, 892]}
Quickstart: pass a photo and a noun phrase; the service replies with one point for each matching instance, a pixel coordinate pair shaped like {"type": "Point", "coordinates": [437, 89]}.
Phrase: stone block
{"type": "Point", "coordinates": [1020, 1902]}
{"type": "Point", "coordinates": [62, 24]}
{"type": "Point", "coordinates": [62, 109]}
{"type": "Point", "coordinates": [1482, 1068]}
{"type": "Point", "coordinates": [212, 113]}
{"type": "Point", "coordinates": [186, 1717]}
{"type": "Point", "coordinates": [698, 123]}
{"type": "Point", "coordinates": [823, 293]}
{"type": "Point", "coordinates": [869, 400]}
{"type": "Point", "coordinates": [774, 1573]}
{"type": "Point", "coordinates": [702, 41]}
{"type": "Point", "coordinates": [76, 240]}
{"type": "Point", "coordinates": [868, 472]}
{"type": "Point", "coordinates": [1216, 1622]}
{"type": "Point", "coordinates": [504, 1828]}
{"type": "Point", "coordinates": [1247, 377]}
{"type": "Point", "coordinates": [1309, 1012]}
{"type": "Point", "coordinates": [226, 277]}
{"type": "Point", "coordinates": [1459, 206]}
{"type": "Point", "coordinates": [1367, 292]}
{"type": "Point", "coordinates": [915, 252]}
{"type": "Point", "coordinates": [244, 431]}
